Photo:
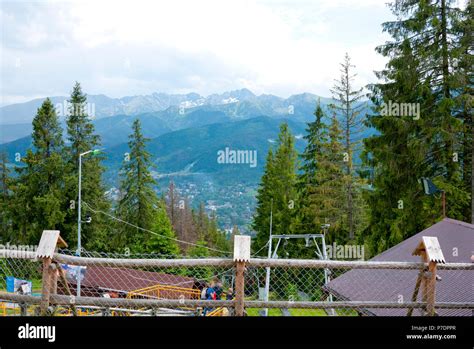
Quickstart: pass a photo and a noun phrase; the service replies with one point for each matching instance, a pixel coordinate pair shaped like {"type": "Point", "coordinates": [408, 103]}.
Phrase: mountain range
{"type": "Point", "coordinates": [186, 133]}
{"type": "Point", "coordinates": [238, 101]}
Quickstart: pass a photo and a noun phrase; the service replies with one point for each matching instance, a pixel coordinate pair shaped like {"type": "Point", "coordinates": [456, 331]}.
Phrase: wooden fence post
{"type": "Point", "coordinates": [241, 256]}
{"type": "Point", "coordinates": [430, 291]}
{"type": "Point", "coordinates": [431, 253]}
{"type": "Point", "coordinates": [54, 278]}
{"type": "Point", "coordinates": [50, 240]}
{"type": "Point", "coordinates": [46, 286]}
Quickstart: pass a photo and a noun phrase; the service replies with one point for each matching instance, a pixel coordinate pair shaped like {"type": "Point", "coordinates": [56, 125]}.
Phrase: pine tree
{"type": "Point", "coordinates": [328, 196]}
{"type": "Point", "coordinates": [464, 81]}
{"type": "Point", "coordinates": [164, 243]}
{"type": "Point", "coordinates": [218, 237]}
{"type": "Point", "coordinates": [39, 187]}
{"type": "Point", "coordinates": [202, 225]}
{"type": "Point", "coordinates": [172, 205]}
{"type": "Point", "coordinates": [264, 198]}
{"type": "Point", "coordinates": [316, 136]}
{"type": "Point", "coordinates": [431, 29]}
{"type": "Point", "coordinates": [81, 138]}
{"type": "Point", "coordinates": [181, 217]}
{"type": "Point", "coordinates": [349, 107]}
{"type": "Point", "coordinates": [138, 202]}
{"type": "Point", "coordinates": [179, 210]}
{"type": "Point", "coordinates": [278, 190]}
{"type": "Point", "coordinates": [207, 230]}
{"type": "Point", "coordinates": [397, 154]}
{"type": "Point", "coordinates": [285, 198]}
{"type": "Point", "coordinates": [419, 71]}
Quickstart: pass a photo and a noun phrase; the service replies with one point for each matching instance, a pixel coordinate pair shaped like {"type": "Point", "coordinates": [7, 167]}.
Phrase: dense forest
{"type": "Point", "coordinates": [381, 201]}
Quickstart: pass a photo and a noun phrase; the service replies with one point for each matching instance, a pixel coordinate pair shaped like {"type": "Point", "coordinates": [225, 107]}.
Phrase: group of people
{"type": "Point", "coordinates": [215, 291]}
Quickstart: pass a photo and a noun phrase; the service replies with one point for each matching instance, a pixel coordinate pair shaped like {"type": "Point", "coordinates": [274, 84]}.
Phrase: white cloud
{"type": "Point", "coordinates": [135, 47]}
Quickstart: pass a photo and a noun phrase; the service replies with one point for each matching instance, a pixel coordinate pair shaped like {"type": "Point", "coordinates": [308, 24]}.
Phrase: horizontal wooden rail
{"type": "Point", "coordinates": [154, 303]}
{"type": "Point", "coordinates": [188, 303]}
{"type": "Point", "coordinates": [331, 264]}
{"type": "Point", "coordinates": [130, 262]}
{"type": "Point", "coordinates": [19, 298]}
{"type": "Point", "coordinates": [138, 303]}
{"type": "Point", "coordinates": [351, 304]}
{"type": "Point", "coordinates": [228, 262]}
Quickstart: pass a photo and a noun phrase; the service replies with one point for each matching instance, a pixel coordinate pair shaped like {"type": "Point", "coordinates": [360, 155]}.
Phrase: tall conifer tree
{"type": "Point", "coordinates": [349, 108]}
{"type": "Point", "coordinates": [408, 147]}
{"type": "Point", "coordinates": [139, 204]}
{"type": "Point", "coordinates": [81, 137]}
{"type": "Point", "coordinates": [39, 187]}
{"type": "Point", "coordinates": [278, 190]}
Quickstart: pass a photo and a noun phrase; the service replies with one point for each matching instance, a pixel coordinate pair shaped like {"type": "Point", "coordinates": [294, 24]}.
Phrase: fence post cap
{"type": "Point", "coordinates": [242, 248]}
{"type": "Point", "coordinates": [430, 248]}
{"type": "Point", "coordinates": [50, 239]}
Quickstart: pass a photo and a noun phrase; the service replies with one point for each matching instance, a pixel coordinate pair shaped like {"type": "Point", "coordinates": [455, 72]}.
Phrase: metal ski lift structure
{"type": "Point", "coordinates": [321, 253]}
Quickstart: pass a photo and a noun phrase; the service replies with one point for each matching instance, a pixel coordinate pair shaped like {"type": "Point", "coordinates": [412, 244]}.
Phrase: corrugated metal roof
{"type": "Point", "coordinates": [457, 242]}
{"type": "Point", "coordinates": [126, 280]}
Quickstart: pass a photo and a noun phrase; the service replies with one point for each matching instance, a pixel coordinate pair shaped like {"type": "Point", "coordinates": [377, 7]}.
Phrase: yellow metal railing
{"type": "Point", "coordinates": [79, 312]}
{"type": "Point", "coordinates": [9, 310]}
{"type": "Point", "coordinates": [216, 312]}
{"type": "Point", "coordinates": [160, 291]}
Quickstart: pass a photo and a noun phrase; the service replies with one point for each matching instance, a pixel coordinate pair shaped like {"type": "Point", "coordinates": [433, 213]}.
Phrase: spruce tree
{"type": "Point", "coordinates": [164, 241]}
{"type": "Point", "coordinates": [464, 82]}
{"type": "Point", "coordinates": [285, 193]}
{"type": "Point", "coordinates": [202, 225]}
{"type": "Point", "coordinates": [264, 197]}
{"type": "Point", "coordinates": [172, 205]}
{"type": "Point", "coordinates": [81, 138]}
{"type": "Point", "coordinates": [328, 196]}
{"type": "Point", "coordinates": [316, 136]}
{"type": "Point", "coordinates": [39, 187]}
{"type": "Point", "coordinates": [138, 200]}
{"type": "Point", "coordinates": [139, 204]}
{"type": "Point", "coordinates": [278, 190]}
{"type": "Point", "coordinates": [398, 155]}
{"type": "Point", "coordinates": [349, 108]}
{"type": "Point", "coordinates": [407, 148]}
{"type": "Point", "coordinates": [432, 29]}
{"type": "Point", "coordinates": [218, 237]}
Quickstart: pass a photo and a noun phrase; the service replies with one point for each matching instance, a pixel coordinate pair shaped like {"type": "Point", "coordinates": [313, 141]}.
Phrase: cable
{"type": "Point", "coordinates": [260, 250]}
{"type": "Point", "coordinates": [152, 232]}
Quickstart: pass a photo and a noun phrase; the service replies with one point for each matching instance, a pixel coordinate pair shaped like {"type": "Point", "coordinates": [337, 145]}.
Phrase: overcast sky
{"type": "Point", "coordinates": [123, 48]}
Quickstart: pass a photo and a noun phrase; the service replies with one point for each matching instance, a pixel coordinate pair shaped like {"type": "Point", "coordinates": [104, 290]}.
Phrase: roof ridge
{"type": "Point", "coordinates": [447, 220]}
{"type": "Point", "coordinates": [455, 221]}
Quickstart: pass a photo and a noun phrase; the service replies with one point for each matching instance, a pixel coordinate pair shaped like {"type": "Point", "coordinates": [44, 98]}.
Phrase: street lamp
{"type": "Point", "coordinates": [430, 189]}
{"type": "Point", "coordinates": [79, 218]}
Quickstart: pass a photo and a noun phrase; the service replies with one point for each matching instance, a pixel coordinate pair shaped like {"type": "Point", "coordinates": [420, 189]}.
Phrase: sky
{"type": "Point", "coordinates": [124, 48]}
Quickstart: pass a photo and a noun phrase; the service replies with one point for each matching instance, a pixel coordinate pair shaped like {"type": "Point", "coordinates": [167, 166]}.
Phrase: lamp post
{"type": "Point", "coordinates": [79, 218]}
{"type": "Point", "coordinates": [267, 276]}
{"type": "Point", "coordinates": [430, 189]}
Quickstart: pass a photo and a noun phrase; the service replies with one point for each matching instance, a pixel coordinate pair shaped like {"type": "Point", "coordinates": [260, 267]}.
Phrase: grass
{"type": "Point", "coordinates": [293, 312]}
{"type": "Point", "coordinates": [307, 312]}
